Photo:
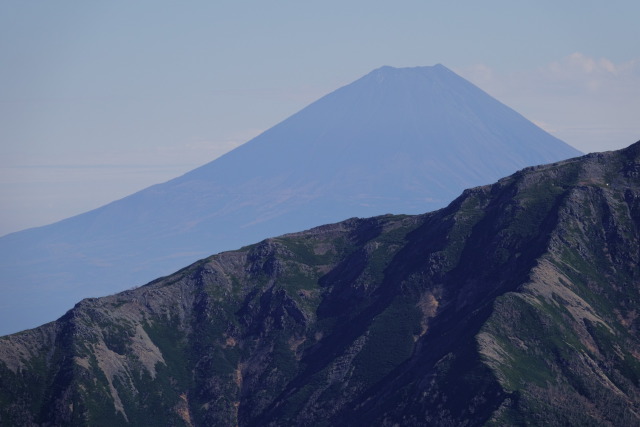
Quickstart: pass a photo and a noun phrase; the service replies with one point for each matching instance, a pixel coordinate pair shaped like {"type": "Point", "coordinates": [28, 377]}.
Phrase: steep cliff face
{"type": "Point", "coordinates": [518, 303]}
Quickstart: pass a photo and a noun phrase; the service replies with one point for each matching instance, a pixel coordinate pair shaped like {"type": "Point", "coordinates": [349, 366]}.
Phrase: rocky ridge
{"type": "Point", "coordinates": [516, 304]}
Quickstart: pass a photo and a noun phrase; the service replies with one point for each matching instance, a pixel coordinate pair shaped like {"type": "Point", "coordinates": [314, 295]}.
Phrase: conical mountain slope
{"type": "Point", "coordinates": [515, 305]}
{"type": "Point", "coordinates": [396, 140]}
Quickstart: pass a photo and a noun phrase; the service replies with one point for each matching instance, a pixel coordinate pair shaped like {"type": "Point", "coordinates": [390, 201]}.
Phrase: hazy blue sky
{"type": "Point", "coordinates": [101, 99]}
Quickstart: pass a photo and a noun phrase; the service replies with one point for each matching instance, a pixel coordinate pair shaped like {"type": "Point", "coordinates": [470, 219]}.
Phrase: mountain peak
{"type": "Point", "coordinates": [419, 68]}
{"type": "Point", "coordinates": [633, 151]}
{"type": "Point", "coordinates": [419, 72]}
{"type": "Point", "coordinates": [403, 140]}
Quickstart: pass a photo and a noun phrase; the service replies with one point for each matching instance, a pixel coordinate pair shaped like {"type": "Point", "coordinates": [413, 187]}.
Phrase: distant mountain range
{"type": "Point", "coordinates": [395, 141]}
{"type": "Point", "coordinates": [515, 305]}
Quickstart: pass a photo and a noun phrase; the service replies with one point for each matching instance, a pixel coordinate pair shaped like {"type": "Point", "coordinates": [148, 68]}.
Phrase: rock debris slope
{"type": "Point", "coordinates": [516, 304]}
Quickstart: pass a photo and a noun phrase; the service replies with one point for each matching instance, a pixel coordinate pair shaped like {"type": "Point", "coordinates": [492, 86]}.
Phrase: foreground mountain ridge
{"type": "Point", "coordinates": [515, 305]}
{"type": "Point", "coordinates": [403, 140]}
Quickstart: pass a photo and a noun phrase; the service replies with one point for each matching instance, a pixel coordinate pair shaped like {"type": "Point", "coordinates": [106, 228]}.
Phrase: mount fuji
{"type": "Point", "coordinates": [398, 140]}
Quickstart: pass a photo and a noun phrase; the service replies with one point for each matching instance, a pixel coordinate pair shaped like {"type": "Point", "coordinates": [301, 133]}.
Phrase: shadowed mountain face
{"type": "Point", "coordinates": [515, 305]}
{"type": "Point", "coordinates": [396, 140]}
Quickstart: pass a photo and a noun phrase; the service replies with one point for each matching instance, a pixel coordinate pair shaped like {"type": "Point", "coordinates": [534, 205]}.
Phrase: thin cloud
{"type": "Point", "coordinates": [591, 103]}
{"type": "Point", "coordinates": [594, 74]}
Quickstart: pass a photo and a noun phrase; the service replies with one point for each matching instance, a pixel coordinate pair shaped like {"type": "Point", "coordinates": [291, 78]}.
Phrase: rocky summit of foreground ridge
{"type": "Point", "coordinates": [516, 304]}
{"type": "Point", "coordinates": [397, 140]}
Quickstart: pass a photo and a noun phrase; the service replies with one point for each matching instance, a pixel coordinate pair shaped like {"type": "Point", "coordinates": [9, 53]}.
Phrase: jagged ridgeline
{"type": "Point", "coordinates": [516, 304]}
